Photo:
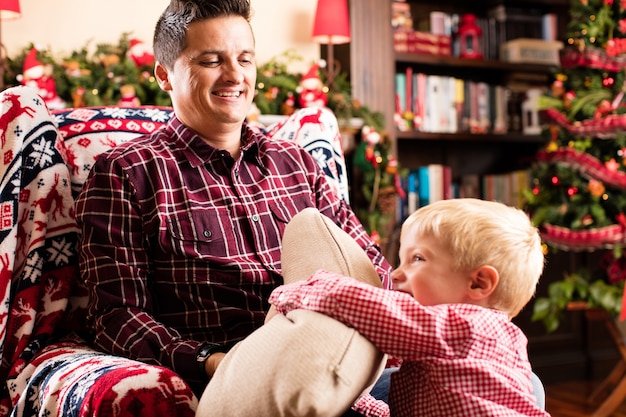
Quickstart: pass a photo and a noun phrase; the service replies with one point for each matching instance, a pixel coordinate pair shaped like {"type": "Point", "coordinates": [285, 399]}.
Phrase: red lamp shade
{"type": "Point", "coordinates": [332, 23]}
{"type": "Point", "coordinates": [10, 9]}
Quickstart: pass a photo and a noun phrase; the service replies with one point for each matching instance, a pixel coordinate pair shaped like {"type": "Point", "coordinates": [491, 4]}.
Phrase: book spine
{"type": "Point", "coordinates": [423, 186]}
{"type": "Point", "coordinates": [413, 200]}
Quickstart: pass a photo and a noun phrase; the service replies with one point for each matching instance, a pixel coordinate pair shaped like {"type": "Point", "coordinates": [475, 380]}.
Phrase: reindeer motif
{"type": "Point", "coordinates": [14, 111]}
{"type": "Point", "coordinates": [5, 276]}
{"type": "Point", "coordinates": [46, 202]}
{"type": "Point", "coordinates": [54, 299]}
{"type": "Point", "coordinates": [312, 118]}
{"type": "Point", "coordinates": [71, 159]}
{"type": "Point", "coordinates": [23, 314]}
{"type": "Point", "coordinates": [149, 378]}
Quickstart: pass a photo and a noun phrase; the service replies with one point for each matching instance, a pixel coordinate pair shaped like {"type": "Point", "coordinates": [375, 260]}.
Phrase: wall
{"type": "Point", "coordinates": [62, 26]}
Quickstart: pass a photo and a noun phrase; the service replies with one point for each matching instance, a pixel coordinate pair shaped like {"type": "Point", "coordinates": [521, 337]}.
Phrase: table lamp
{"type": "Point", "coordinates": [331, 27]}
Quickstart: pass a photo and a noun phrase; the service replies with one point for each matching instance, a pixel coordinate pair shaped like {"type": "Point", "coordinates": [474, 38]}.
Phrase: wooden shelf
{"type": "Point", "coordinates": [510, 138]}
{"type": "Point", "coordinates": [486, 65]}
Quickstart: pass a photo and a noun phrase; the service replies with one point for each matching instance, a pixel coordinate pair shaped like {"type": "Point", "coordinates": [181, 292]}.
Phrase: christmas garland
{"type": "Point", "coordinates": [591, 57]}
{"type": "Point", "coordinates": [587, 164]}
{"type": "Point", "coordinates": [604, 128]}
{"type": "Point", "coordinates": [583, 240]}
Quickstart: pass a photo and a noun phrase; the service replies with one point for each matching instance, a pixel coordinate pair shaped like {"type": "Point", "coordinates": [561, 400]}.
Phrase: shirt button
{"type": "Point", "coordinates": [305, 301]}
{"type": "Point", "coordinates": [255, 217]}
{"type": "Point", "coordinates": [207, 233]}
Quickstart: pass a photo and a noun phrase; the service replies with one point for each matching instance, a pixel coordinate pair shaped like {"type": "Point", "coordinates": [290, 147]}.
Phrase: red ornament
{"type": "Point", "coordinates": [608, 81]}
{"type": "Point", "coordinates": [554, 180]}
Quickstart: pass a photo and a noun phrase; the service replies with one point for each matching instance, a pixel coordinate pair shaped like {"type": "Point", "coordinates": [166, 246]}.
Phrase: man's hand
{"type": "Point", "coordinates": [213, 361]}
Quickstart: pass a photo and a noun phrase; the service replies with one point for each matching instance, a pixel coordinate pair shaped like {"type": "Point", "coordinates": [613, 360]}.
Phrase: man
{"type": "Point", "coordinates": [181, 230]}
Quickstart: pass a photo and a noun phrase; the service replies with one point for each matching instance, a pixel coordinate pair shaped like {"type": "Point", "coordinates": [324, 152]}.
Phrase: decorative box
{"type": "Point", "coordinates": [415, 42]}
{"type": "Point", "coordinates": [531, 51]}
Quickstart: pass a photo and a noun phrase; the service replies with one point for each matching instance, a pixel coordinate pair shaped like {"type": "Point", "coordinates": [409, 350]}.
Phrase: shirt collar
{"type": "Point", "coordinates": [197, 151]}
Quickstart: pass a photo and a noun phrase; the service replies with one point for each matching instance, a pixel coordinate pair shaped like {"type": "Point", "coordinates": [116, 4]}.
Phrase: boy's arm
{"type": "Point", "coordinates": [370, 310]}
{"type": "Point", "coordinates": [369, 406]}
{"type": "Point", "coordinates": [396, 323]}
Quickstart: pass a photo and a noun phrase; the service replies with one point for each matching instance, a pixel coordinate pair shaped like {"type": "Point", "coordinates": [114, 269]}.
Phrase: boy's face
{"type": "Point", "coordinates": [425, 272]}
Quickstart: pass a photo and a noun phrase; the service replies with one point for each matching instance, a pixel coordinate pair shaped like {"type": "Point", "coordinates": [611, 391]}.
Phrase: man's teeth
{"type": "Point", "coordinates": [231, 94]}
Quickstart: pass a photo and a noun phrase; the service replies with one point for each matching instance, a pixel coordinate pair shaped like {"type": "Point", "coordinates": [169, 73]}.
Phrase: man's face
{"type": "Point", "coordinates": [213, 81]}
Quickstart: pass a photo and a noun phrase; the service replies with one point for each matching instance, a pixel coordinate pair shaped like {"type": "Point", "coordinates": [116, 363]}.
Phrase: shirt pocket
{"type": "Point", "coordinates": [204, 234]}
{"type": "Point", "coordinates": [283, 209]}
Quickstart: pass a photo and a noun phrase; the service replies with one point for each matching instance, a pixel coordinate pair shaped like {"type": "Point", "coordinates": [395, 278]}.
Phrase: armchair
{"type": "Point", "coordinates": [46, 363]}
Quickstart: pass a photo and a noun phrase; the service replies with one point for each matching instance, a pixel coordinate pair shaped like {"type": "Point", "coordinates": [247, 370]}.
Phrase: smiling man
{"type": "Point", "coordinates": [181, 230]}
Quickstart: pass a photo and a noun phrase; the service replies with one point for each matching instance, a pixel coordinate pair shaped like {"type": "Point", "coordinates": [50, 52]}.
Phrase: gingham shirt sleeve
{"type": "Point", "coordinates": [392, 320]}
{"type": "Point", "coordinates": [371, 407]}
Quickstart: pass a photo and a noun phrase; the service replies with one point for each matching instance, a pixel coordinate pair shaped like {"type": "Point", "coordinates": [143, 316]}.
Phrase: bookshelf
{"type": "Point", "coordinates": [373, 78]}
{"type": "Point", "coordinates": [575, 350]}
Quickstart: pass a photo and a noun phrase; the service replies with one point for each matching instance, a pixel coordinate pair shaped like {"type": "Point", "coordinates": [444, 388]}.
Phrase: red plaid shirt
{"type": "Point", "coordinates": [181, 243]}
{"type": "Point", "coordinates": [458, 359]}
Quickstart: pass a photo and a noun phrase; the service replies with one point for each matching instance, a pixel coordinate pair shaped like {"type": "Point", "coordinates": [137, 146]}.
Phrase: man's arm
{"type": "Point", "coordinates": [115, 264]}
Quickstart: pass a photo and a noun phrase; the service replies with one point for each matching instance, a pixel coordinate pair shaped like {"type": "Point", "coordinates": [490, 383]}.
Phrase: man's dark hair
{"type": "Point", "coordinates": [171, 28]}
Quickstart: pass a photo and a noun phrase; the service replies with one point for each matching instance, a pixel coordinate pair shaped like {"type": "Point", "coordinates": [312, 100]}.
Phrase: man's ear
{"type": "Point", "coordinates": [483, 282]}
{"type": "Point", "coordinates": [162, 75]}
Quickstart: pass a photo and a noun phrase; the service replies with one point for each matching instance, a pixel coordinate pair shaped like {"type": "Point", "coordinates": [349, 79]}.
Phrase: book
{"type": "Point", "coordinates": [408, 94]}
{"type": "Point", "coordinates": [432, 116]}
{"type": "Point", "coordinates": [399, 113]}
{"type": "Point", "coordinates": [470, 186]}
{"type": "Point", "coordinates": [459, 102]}
{"type": "Point", "coordinates": [413, 200]}
{"type": "Point", "coordinates": [423, 186]}
{"type": "Point", "coordinates": [419, 92]}
{"type": "Point", "coordinates": [435, 182]}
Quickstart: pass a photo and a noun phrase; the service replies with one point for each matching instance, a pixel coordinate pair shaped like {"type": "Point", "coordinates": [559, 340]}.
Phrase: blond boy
{"type": "Point", "coordinates": [467, 267]}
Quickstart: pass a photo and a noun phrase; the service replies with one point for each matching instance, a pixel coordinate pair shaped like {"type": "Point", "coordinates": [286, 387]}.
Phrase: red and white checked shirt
{"type": "Point", "coordinates": [458, 359]}
{"type": "Point", "coordinates": [181, 244]}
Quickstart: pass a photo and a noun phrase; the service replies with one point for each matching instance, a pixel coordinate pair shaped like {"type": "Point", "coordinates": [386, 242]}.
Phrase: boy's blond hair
{"type": "Point", "coordinates": [479, 232]}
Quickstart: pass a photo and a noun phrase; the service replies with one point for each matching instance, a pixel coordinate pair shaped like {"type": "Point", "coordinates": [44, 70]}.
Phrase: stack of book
{"type": "Point", "coordinates": [429, 183]}
{"type": "Point", "coordinates": [445, 104]}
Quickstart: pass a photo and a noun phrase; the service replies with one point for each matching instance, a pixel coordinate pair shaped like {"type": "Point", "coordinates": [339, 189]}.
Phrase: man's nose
{"type": "Point", "coordinates": [233, 72]}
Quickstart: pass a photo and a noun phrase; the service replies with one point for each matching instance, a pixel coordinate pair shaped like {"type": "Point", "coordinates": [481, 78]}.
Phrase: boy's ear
{"type": "Point", "coordinates": [483, 282]}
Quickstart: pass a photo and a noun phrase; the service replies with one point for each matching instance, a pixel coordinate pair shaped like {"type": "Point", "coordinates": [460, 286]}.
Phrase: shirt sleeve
{"type": "Point", "coordinates": [371, 407]}
{"type": "Point", "coordinates": [392, 320]}
{"type": "Point", "coordinates": [115, 266]}
{"type": "Point", "coordinates": [335, 208]}
{"type": "Point", "coordinates": [349, 222]}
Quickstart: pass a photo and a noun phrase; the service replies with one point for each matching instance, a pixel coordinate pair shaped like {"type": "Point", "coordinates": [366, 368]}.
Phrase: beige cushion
{"type": "Point", "coordinates": [305, 363]}
{"type": "Point", "coordinates": [302, 364]}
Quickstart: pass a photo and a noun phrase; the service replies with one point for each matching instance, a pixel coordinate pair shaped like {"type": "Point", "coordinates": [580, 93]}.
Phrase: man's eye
{"type": "Point", "coordinates": [209, 63]}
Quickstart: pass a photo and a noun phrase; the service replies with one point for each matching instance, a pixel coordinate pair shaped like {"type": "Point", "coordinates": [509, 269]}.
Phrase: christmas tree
{"type": "Point", "coordinates": [578, 194]}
